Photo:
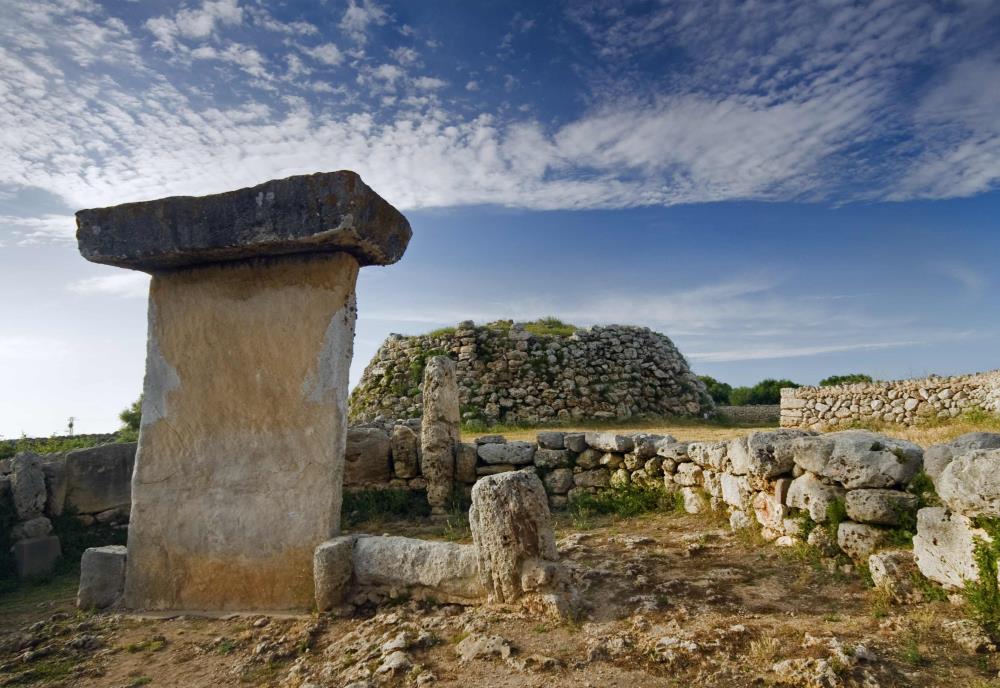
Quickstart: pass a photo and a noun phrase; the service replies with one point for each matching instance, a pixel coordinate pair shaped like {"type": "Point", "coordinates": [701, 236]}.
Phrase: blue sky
{"type": "Point", "coordinates": [786, 189]}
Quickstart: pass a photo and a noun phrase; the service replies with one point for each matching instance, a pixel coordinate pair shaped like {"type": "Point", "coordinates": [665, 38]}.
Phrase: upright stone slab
{"type": "Point", "coordinates": [251, 324]}
{"type": "Point", "coordinates": [439, 436]}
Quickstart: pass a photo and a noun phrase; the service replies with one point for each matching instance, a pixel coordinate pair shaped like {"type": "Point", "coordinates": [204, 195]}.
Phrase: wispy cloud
{"type": "Point", "coordinates": [964, 275]}
{"type": "Point", "coordinates": [122, 284]}
{"type": "Point", "coordinates": [34, 230]}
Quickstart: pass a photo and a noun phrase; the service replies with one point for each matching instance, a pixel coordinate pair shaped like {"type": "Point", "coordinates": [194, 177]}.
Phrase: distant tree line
{"type": "Point", "coordinates": [767, 391]}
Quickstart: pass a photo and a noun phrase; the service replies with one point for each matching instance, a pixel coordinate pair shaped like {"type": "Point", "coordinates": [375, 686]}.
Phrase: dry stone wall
{"type": "Point", "coordinates": [507, 374]}
{"type": "Point", "coordinates": [905, 402]}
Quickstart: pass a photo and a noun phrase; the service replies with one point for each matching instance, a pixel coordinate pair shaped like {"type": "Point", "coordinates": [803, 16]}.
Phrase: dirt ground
{"type": "Point", "coordinates": [670, 600]}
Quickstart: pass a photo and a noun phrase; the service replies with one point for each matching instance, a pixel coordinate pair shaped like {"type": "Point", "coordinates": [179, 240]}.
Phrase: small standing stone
{"type": "Point", "coordinates": [439, 437]}
{"type": "Point", "coordinates": [102, 577]}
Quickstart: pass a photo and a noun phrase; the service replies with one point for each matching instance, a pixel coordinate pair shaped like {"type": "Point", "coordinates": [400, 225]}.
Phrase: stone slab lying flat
{"type": "Point", "coordinates": [322, 212]}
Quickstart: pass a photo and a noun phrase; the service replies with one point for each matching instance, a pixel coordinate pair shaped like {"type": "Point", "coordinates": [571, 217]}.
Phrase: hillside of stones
{"type": "Point", "coordinates": [536, 373]}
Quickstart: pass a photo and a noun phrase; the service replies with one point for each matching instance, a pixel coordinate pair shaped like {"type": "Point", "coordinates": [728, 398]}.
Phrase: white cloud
{"type": "Point", "coordinates": [968, 277]}
{"type": "Point", "coordinates": [47, 228]}
{"type": "Point", "coordinates": [194, 23]}
{"type": "Point", "coordinates": [388, 72]}
{"type": "Point", "coordinates": [358, 18]}
{"type": "Point", "coordinates": [124, 284]}
{"type": "Point", "coordinates": [429, 83]}
{"type": "Point", "coordinates": [768, 352]}
{"type": "Point", "coordinates": [472, 86]}
{"type": "Point", "coordinates": [327, 53]}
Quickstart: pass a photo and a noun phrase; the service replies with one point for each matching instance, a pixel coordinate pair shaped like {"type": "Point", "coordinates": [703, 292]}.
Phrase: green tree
{"type": "Point", "coordinates": [850, 379]}
{"type": "Point", "coordinates": [764, 392]}
{"type": "Point", "coordinates": [131, 418]}
{"type": "Point", "coordinates": [719, 391]}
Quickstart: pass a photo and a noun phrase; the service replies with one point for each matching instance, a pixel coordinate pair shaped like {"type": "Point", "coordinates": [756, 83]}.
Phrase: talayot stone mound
{"type": "Point", "coordinates": [536, 373]}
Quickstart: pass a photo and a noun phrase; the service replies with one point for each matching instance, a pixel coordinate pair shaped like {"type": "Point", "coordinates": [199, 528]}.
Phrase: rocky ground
{"type": "Point", "coordinates": [670, 600]}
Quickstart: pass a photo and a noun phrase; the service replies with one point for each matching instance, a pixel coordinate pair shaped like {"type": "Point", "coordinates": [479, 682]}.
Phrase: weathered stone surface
{"type": "Point", "coordinates": [495, 469]}
{"type": "Point", "coordinates": [333, 569]}
{"type": "Point", "coordinates": [769, 511]}
{"type": "Point", "coordinates": [858, 458]}
{"type": "Point", "coordinates": [512, 533]}
{"type": "Point", "coordinates": [552, 458]}
{"type": "Point", "coordinates": [809, 493]}
{"type": "Point", "coordinates": [446, 571]}
{"type": "Point", "coordinates": [27, 484]}
{"type": "Point", "coordinates": [589, 458]}
{"type": "Point", "coordinates": [575, 441]}
{"type": "Point", "coordinates": [944, 546]}
{"type": "Point", "coordinates": [694, 500]}
{"type": "Point", "coordinates": [100, 478]}
{"type": "Point", "coordinates": [879, 506]}
{"type": "Point", "coordinates": [647, 443]}
{"type": "Point", "coordinates": [405, 452]}
{"type": "Point", "coordinates": [738, 520]}
{"type": "Point", "coordinates": [675, 451]}
{"type": "Point", "coordinates": [858, 540]}
{"type": "Point", "coordinates": [770, 454]}
{"type": "Point", "coordinates": [938, 456]}
{"type": "Point", "coordinates": [465, 463]}
{"type": "Point", "coordinates": [600, 477]}
{"type": "Point", "coordinates": [689, 475]}
{"type": "Point", "coordinates": [323, 212]}
{"type": "Point", "coordinates": [54, 468]}
{"type": "Point", "coordinates": [366, 457]}
{"type": "Point", "coordinates": [559, 480]}
{"type": "Point", "coordinates": [551, 440]}
{"type": "Point", "coordinates": [239, 469]}
{"type": "Point", "coordinates": [736, 490]}
{"type": "Point", "coordinates": [895, 572]}
{"type": "Point", "coordinates": [439, 436]}
{"type": "Point", "coordinates": [970, 483]}
{"type": "Point", "coordinates": [36, 556]}
{"type": "Point", "coordinates": [102, 577]}
{"type": "Point", "coordinates": [610, 442]}
{"type": "Point", "coordinates": [34, 528]}
{"type": "Point", "coordinates": [517, 453]}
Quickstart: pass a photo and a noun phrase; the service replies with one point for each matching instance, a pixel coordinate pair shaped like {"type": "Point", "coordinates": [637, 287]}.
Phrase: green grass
{"type": "Point", "coordinates": [45, 671]}
{"type": "Point", "coordinates": [983, 594]}
{"type": "Point", "coordinates": [441, 332]}
{"type": "Point", "coordinates": [623, 501]}
{"type": "Point", "coordinates": [371, 505]}
{"type": "Point", "coordinates": [550, 327]}
{"type": "Point", "coordinates": [55, 444]}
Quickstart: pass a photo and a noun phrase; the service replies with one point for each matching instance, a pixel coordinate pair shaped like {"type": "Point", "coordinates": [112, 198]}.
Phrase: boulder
{"type": "Point", "coordinates": [970, 483]}
{"type": "Point", "coordinates": [809, 493]}
{"type": "Point", "coordinates": [102, 577]}
{"type": "Point", "coordinates": [858, 540]}
{"type": "Point", "coordinates": [610, 442]}
{"type": "Point", "coordinates": [858, 458]}
{"type": "Point", "coordinates": [938, 456]}
{"type": "Point", "coordinates": [675, 451]}
{"type": "Point", "coordinates": [738, 520]}
{"type": "Point", "coordinates": [366, 458]}
{"type": "Point", "coordinates": [33, 528]}
{"type": "Point", "coordinates": [54, 468]}
{"type": "Point", "coordinates": [551, 440]}
{"type": "Point", "coordinates": [517, 453]}
{"type": "Point", "coordinates": [769, 511]}
{"type": "Point", "coordinates": [646, 444]}
{"type": "Point", "coordinates": [27, 485]}
{"type": "Point", "coordinates": [513, 536]}
{"type": "Point", "coordinates": [405, 447]}
{"type": "Point", "coordinates": [689, 475]}
{"type": "Point", "coordinates": [465, 463]}
{"type": "Point", "coordinates": [736, 490]}
{"type": "Point", "coordinates": [694, 500]}
{"type": "Point", "coordinates": [333, 568]}
{"type": "Point", "coordinates": [895, 572]}
{"type": "Point", "coordinates": [100, 478]}
{"type": "Point", "coordinates": [551, 458]}
{"type": "Point", "coordinates": [770, 454]}
{"type": "Point", "coordinates": [600, 477]}
{"type": "Point", "coordinates": [36, 557]}
{"type": "Point", "coordinates": [575, 441]}
{"type": "Point", "coordinates": [444, 571]}
{"type": "Point", "coordinates": [559, 481]}
{"type": "Point", "coordinates": [439, 435]}
{"type": "Point", "coordinates": [944, 547]}
{"type": "Point", "coordinates": [880, 506]}
{"type": "Point", "coordinates": [589, 458]}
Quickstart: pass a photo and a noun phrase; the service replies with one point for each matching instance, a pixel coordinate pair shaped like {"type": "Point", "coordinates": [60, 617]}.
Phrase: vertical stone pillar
{"type": "Point", "coordinates": [516, 546]}
{"type": "Point", "coordinates": [439, 431]}
{"type": "Point", "coordinates": [251, 327]}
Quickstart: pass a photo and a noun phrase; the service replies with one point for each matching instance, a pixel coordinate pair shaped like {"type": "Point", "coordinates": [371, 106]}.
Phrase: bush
{"type": "Point", "coordinates": [719, 391]}
{"type": "Point", "coordinates": [625, 501]}
{"type": "Point", "coordinates": [851, 379]}
{"type": "Point", "coordinates": [763, 393]}
{"type": "Point", "coordinates": [366, 505]}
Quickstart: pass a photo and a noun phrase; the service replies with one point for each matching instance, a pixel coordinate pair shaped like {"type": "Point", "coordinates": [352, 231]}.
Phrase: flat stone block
{"type": "Point", "coordinates": [36, 556]}
{"type": "Point", "coordinates": [241, 455]}
{"type": "Point", "coordinates": [444, 570]}
{"type": "Point", "coordinates": [100, 478]}
{"type": "Point", "coordinates": [333, 568]}
{"type": "Point", "coordinates": [323, 212]}
{"type": "Point", "coordinates": [102, 577]}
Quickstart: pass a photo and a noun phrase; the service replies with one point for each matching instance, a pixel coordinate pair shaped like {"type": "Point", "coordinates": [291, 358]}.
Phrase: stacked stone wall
{"type": "Point", "coordinates": [507, 374]}
{"type": "Point", "coordinates": [904, 402]}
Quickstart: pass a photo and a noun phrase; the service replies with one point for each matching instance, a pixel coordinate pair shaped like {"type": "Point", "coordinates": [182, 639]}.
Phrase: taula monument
{"type": "Point", "coordinates": [251, 329]}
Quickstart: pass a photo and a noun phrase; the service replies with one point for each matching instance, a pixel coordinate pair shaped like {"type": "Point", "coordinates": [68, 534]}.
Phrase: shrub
{"type": "Point", "coordinates": [366, 505]}
{"type": "Point", "coordinates": [764, 392]}
{"type": "Point", "coordinates": [625, 501]}
{"type": "Point", "coordinates": [719, 391]}
{"type": "Point", "coordinates": [442, 332]}
{"type": "Point", "coordinates": [850, 379]}
{"type": "Point", "coordinates": [983, 594]}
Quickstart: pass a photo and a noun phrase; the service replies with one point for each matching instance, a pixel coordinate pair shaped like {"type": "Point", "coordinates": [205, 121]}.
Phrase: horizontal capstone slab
{"type": "Point", "coordinates": [322, 212]}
